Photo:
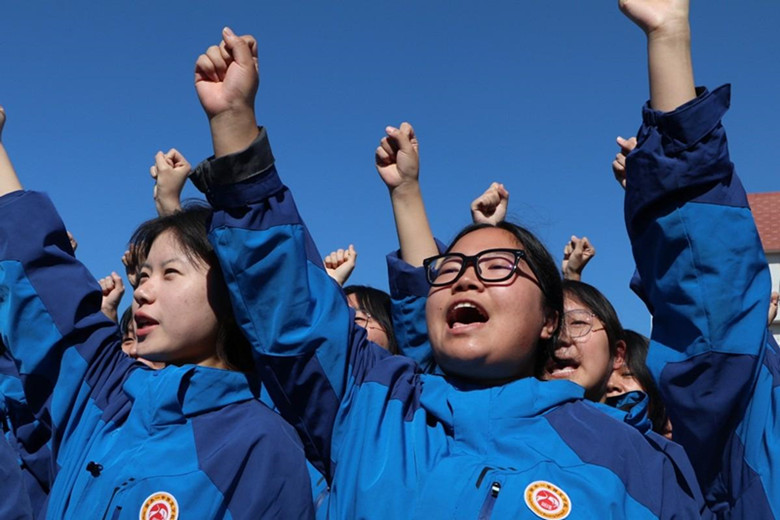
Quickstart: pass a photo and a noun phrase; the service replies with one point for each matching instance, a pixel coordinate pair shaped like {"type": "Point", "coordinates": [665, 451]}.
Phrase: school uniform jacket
{"type": "Point", "coordinates": [129, 442]}
{"type": "Point", "coordinates": [28, 437]}
{"type": "Point", "coordinates": [704, 275]}
{"type": "Point", "coordinates": [15, 504]}
{"type": "Point", "coordinates": [395, 442]}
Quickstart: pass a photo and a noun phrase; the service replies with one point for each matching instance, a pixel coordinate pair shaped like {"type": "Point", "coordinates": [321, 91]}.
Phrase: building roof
{"type": "Point", "coordinates": [766, 212]}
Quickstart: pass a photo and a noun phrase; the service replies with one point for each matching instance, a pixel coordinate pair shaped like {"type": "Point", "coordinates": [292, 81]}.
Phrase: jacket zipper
{"type": "Point", "coordinates": [490, 501]}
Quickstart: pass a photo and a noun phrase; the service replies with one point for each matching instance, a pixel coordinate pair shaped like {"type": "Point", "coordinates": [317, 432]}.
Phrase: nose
{"type": "Point", "coordinates": [468, 280]}
{"type": "Point", "coordinates": [144, 293]}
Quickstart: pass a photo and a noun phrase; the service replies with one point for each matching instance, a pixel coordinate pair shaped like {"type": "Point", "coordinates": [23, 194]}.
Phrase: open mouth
{"type": "Point", "coordinates": [143, 325]}
{"type": "Point", "coordinates": [463, 314]}
{"type": "Point", "coordinates": [558, 368]}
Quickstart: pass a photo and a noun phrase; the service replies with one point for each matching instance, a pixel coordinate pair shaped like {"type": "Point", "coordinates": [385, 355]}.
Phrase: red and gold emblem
{"type": "Point", "coordinates": [547, 500]}
{"type": "Point", "coordinates": [159, 506]}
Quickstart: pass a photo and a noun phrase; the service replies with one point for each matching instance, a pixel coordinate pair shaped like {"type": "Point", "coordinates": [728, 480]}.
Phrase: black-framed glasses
{"type": "Point", "coordinates": [491, 265]}
{"type": "Point", "coordinates": [578, 323]}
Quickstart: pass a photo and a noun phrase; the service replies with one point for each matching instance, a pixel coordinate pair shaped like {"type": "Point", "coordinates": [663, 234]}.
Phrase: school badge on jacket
{"type": "Point", "coordinates": [159, 506]}
{"type": "Point", "coordinates": [547, 500]}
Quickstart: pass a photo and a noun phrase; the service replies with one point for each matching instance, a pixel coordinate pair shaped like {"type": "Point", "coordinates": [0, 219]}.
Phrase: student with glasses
{"type": "Point", "coordinates": [481, 439]}
{"type": "Point", "coordinates": [591, 345]}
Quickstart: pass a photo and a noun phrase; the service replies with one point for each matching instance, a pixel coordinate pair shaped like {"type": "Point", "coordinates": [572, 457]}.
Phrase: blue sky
{"type": "Point", "coordinates": [531, 94]}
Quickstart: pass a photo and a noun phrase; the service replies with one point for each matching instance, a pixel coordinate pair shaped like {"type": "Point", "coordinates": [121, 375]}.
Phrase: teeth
{"type": "Point", "coordinates": [464, 305]}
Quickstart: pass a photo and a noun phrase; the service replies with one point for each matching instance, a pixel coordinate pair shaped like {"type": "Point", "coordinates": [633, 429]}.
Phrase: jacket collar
{"type": "Point", "coordinates": [174, 392]}
{"type": "Point", "coordinates": [473, 412]}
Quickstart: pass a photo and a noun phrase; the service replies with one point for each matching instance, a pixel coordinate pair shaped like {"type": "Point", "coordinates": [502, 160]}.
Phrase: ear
{"type": "Point", "coordinates": [620, 355]}
{"type": "Point", "coordinates": [550, 325]}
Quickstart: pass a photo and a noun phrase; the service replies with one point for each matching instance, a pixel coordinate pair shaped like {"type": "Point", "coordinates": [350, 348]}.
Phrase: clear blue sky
{"type": "Point", "coordinates": [531, 94]}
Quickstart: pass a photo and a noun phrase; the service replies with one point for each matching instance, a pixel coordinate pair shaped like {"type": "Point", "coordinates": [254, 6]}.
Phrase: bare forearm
{"type": "Point", "coordinates": [411, 222]}
{"type": "Point", "coordinates": [670, 67]}
{"type": "Point", "coordinates": [233, 131]}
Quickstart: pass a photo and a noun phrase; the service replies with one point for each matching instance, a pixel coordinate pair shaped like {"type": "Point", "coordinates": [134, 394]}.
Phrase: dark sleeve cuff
{"type": "Point", "coordinates": [680, 156]}
{"type": "Point", "coordinates": [689, 123]}
{"type": "Point", "coordinates": [239, 178]}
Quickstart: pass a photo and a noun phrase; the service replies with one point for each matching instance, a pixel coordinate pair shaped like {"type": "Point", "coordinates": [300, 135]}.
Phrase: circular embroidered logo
{"type": "Point", "coordinates": [547, 500]}
{"type": "Point", "coordinates": [159, 506]}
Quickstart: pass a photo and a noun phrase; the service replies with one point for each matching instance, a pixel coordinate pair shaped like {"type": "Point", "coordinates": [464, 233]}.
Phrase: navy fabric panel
{"type": "Point", "coordinates": [256, 216]}
{"type": "Point", "coordinates": [308, 394]}
{"type": "Point", "coordinates": [256, 461]}
{"type": "Point", "coordinates": [772, 359]}
{"type": "Point", "coordinates": [245, 192]}
{"type": "Point", "coordinates": [587, 430]}
{"type": "Point", "coordinates": [53, 239]}
{"type": "Point", "coordinates": [698, 387]}
{"type": "Point", "coordinates": [692, 162]}
{"type": "Point", "coordinates": [15, 503]}
{"type": "Point", "coordinates": [752, 500]}
{"type": "Point", "coordinates": [691, 122]}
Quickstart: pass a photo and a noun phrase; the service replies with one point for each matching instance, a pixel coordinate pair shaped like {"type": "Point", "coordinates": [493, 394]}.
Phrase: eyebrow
{"type": "Point", "coordinates": [166, 262]}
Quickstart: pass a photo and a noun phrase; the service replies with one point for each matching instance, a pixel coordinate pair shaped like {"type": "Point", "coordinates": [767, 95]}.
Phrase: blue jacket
{"type": "Point", "coordinates": [704, 274]}
{"type": "Point", "coordinates": [395, 442]}
{"type": "Point", "coordinates": [128, 441]}
{"type": "Point", "coordinates": [15, 504]}
{"type": "Point", "coordinates": [25, 434]}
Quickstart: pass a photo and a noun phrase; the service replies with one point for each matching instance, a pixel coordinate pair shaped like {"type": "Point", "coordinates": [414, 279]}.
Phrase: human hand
{"type": "Point", "coordinates": [619, 164]}
{"type": "Point", "coordinates": [576, 255]}
{"type": "Point", "coordinates": [773, 303]}
{"type": "Point", "coordinates": [657, 16]}
{"type": "Point", "coordinates": [113, 289]}
{"type": "Point", "coordinates": [130, 268]}
{"type": "Point", "coordinates": [397, 157]}
{"type": "Point", "coordinates": [490, 207]}
{"type": "Point", "coordinates": [170, 172]}
{"type": "Point", "coordinates": [226, 76]}
{"type": "Point", "coordinates": [340, 264]}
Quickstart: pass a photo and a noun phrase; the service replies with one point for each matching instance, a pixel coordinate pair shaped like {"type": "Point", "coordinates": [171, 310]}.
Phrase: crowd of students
{"type": "Point", "coordinates": [246, 380]}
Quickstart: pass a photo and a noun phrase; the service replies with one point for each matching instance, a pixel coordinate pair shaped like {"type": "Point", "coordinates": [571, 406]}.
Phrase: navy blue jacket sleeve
{"type": "Point", "coordinates": [65, 349]}
{"type": "Point", "coordinates": [15, 504]}
{"type": "Point", "coordinates": [704, 275]}
{"type": "Point", "coordinates": [408, 295]}
{"type": "Point", "coordinates": [309, 352]}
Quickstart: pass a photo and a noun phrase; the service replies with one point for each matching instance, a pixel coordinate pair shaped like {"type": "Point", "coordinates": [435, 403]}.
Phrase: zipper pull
{"type": "Point", "coordinates": [495, 488]}
{"type": "Point", "coordinates": [94, 468]}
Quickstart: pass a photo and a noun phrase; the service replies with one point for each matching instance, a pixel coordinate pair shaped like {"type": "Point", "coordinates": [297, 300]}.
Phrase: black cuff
{"type": "Point", "coordinates": [255, 160]}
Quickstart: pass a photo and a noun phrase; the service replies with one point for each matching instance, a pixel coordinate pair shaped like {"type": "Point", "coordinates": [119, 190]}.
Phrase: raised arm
{"type": "Point", "coordinates": [705, 277]}
{"type": "Point", "coordinates": [398, 164]}
{"type": "Point", "coordinates": [670, 68]}
{"type": "Point", "coordinates": [308, 349]}
{"type": "Point", "coordinates": [170, 172]}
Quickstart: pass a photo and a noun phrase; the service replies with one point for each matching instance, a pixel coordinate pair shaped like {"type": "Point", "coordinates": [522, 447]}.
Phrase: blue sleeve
{"type": "Point", "coordinates": [26, 435]}
{"type": "Point", "coordinates": [15, 504]}
{"type": "Point", "coordinates": [66, 351]}
{"type": "Point", "coordinates": [704, 274]}
{"type": "Point", "coordinates": [309, 352]}
{"type": "Point", "coordinates": [408, 294]}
